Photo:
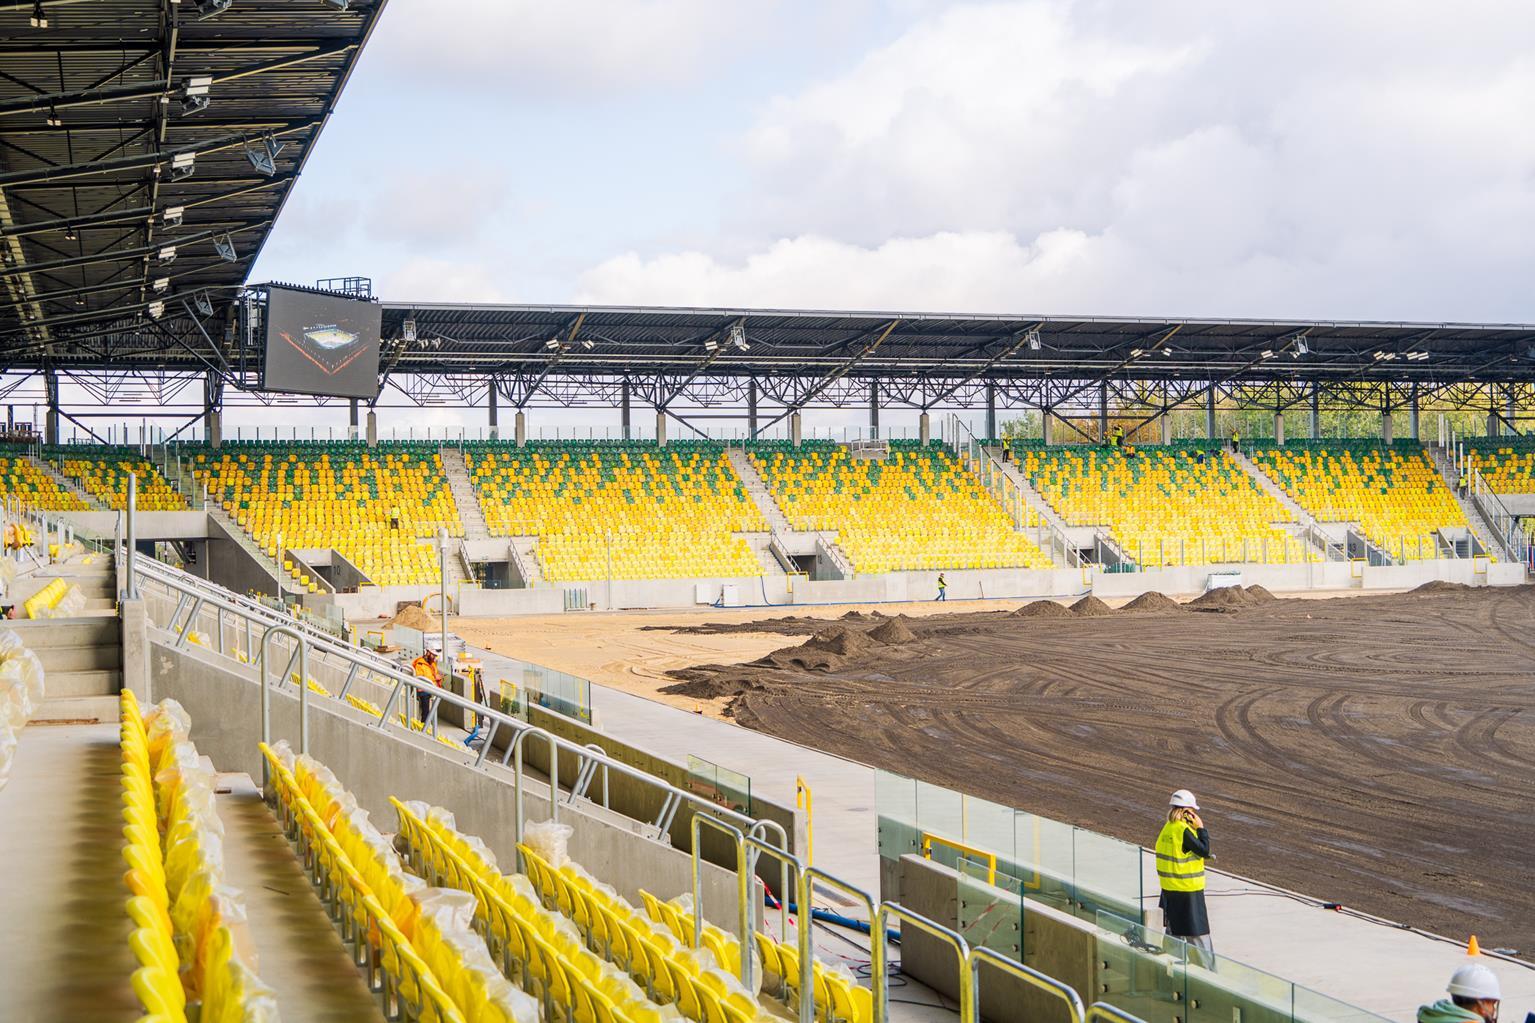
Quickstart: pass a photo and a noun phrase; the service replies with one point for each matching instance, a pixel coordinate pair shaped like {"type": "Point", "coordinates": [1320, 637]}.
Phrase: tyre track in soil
{"type": "Point", "coordinates": [1369, 750]}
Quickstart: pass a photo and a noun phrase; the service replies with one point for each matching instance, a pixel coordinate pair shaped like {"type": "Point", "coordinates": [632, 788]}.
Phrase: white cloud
{"type": "Point", "coordinates": [1370, 159]}
{"type": "Point", "coordinates": [436, 207]}
{"type": "Point", "coordinates": [581, 47]}
{"type": "Point", "coordinates": [431, 279]}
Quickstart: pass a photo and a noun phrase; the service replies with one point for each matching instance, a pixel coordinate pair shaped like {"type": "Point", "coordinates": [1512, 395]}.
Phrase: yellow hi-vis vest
{"type": "Point", "coordinates": [1178, 872]}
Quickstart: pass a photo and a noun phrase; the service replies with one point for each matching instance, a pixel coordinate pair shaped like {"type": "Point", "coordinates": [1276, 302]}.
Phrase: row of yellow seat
{"type": "Point", "coordinates": [423, 966]}
{"type": "Point", "coordinates": [1396, 495]}
{"type": "Point", "coordinates": [541, 949]}
{"type": "Point", "coordinates": [1506, 468]}
{"type": "Point", "coordinates": [26, 484]}
{"type": "Point", "coordinates": [917, 509]}
{"type": "Point", "coordinates": [180, 902]}
{"type": "Point", "coordinates": [371, 505]}
{"type": "Point", "coordinates": [1166, 504]}
{"type": "Point", "coordinates": [103, 473]}
{"type": "Point", "coordinates": [621, 513]}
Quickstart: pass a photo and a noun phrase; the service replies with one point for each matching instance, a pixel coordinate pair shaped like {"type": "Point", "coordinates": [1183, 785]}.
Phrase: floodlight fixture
{"type": "Point", "coordinates": [1301, 347]}
{"type": "Point", "coordinates": [1136, 353]}
{"type": "Point", "coordinates": [160, 284]}
{"type": "Point", "coordinates": [711, 343]}
{"type": "Point", "coordinates": [171, 216]}
{"type": "Point", "coordinates": [211, 8]}
{"type": "Point", "coordinates": [738, 337]}
{"type": "Point", "coordinates": [194, 95]}
{"type": "Point", "coordinates": [156, 309]}
{"type": "Point", "coordinates": [53, 119]}
{"type": "Point", "coordinates": [1416, 356]}
{"type": "Point", "coordinates": [193, 105]}
{"type": "Point", "coordinates": [39, 17]}
{"type": "Point", "coordinates": [69, 233]}
{"type": "Point", "coordinates": [1268, 353]}
{"type": "Point", "coordinates": [203, 303]}
{"type": "Point", "coordinates": [182, 165]}
{"type": "Point", "coordinates": [588, 343]}
{"type": "Point", "coordinates": [553, 344]}
{"type": "Point", "coordinates": [167, 255]}
{"type": "Point", "coordinates": [1166, 350]}
{"type": "Point", "coordinates": [265, 158]}
{"type": "Point", "coordinates": [340, 5]}
{"type": "Point", "coordinates": [408, 330]}
{"type": "Point", "coordinates": [1033, 339]}
{"type": "Point", "coordinates": [225, 247]}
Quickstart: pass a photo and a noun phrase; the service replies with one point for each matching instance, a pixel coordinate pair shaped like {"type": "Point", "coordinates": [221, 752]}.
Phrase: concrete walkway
{"type": "Point", "coordinates": [299, 953]}
{"type": "Point", "coordinates": [64, 948]}
{"type": "Point", "coordinates": [1375, 966]}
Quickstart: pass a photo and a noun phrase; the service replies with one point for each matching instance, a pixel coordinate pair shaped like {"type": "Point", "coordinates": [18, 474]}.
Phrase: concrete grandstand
{"type": "Point", "coordinates": [233, 786]}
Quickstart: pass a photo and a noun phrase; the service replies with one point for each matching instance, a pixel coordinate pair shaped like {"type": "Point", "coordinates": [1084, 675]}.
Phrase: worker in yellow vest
{"type": "Point", "coordinates": [425, 667]}
{"type": "Point", "coordinates": [1182, 848]}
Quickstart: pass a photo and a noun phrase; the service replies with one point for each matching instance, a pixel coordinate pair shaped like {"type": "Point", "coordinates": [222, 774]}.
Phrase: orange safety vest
{"type": "Point", "coordinates": [423, 668]}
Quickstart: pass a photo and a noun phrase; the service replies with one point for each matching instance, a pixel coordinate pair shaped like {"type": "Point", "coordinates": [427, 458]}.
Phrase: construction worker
{"type": "Point", "coordinates": [1007, 450]}
{"type": "Point", "coordinates": [1474, 998]}
{"type": "Point", "coordinates": [1463, 481]}
{"type": "Point", "coordinates": [1117, 436]}
{"type": "Point", "coordinates": [425, 667]}
{"type": "Point", "coordinates": [1236, 443]}
{"type": "Point", "coordinates": [1182, 847]}
{"type": "Point", "coordinates": [394, 516]}
{"type": "Point", "coordinates": [943, 587]}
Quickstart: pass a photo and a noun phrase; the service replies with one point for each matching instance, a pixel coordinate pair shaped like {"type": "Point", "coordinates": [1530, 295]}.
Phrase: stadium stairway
{"type": "Point", "coordinates": [1031, 497]}
{"type": "Point", "coordinates": [68, 485]}
{"type": "Point", "coordinates": [778, 524]}
{"type": "Point", "coordinates": [248, 544]}
{"type": "Point", "coordinates": [1480, 527]}
{"type": "Point", "coordinates": [1275, 491]}
{"type": "Point", "coordinates": [469, 510]}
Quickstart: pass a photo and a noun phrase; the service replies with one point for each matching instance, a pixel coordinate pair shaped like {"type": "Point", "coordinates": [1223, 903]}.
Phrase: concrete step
{"type": "Point", "coordinates": [61, 685]}
{"type": "Point", "coordinates": [77, 709]}
{"type": "Point", "coordinates": [91, 657]}
{"type": "Point", "coordinates": [48, 633]}
{"type": "Point", "coordinates": [462, 487]}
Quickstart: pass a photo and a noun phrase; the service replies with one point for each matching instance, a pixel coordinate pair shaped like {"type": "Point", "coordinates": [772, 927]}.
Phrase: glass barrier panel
{"type": "Point", "coordinates": [895, 803]}
{"type": "Point", "coordinates": [940, 811]}
{"type": "Point", "coordinates": [990, 916]}
{"type": "Point", "coordinates": [1108, 874]}
{"type": "Point", "coordinates": [1045, 861]}
{"type": "Point", "coordinates": [1141, 971]}
{"type": "Point", "coordinates": [989, 826]}
{"type": "Point", "coordinates": [1315, 1007]}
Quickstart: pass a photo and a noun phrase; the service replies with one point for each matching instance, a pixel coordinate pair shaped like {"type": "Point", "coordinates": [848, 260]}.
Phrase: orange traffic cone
{"type": "Point", "coordinates": [1472, 948]}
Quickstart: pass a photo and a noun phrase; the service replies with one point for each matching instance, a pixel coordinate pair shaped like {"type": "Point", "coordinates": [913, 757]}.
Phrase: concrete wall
{"type": "Point", "coordinates": [232, 566]}
{"type": "Point", "coordinates": [149, 525]}
{"type": "Point", "coordinates": [1518, 504]}
{"type": "Point", "coordinates": [223, 700]}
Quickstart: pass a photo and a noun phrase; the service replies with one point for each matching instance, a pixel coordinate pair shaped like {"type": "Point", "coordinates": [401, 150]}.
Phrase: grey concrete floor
{"type": "Point", "coordinates": [64, 945]}
{"type": "Point", "coordinates": [299, 953]}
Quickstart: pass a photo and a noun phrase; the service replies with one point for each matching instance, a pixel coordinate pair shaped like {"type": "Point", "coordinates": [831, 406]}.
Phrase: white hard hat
{"type": "Point", "coordinates": [1183, 797]}
{"type": "Point", "coordinates": [1475, 981]}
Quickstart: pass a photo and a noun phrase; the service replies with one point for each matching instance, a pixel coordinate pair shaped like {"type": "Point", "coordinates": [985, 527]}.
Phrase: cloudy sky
{"type": "Point", "coordinates": [1367, 159]}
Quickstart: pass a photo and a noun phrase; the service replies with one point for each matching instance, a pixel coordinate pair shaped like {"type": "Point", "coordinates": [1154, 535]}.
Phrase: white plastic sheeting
{"type": "Point", "coordinates": [21, 693]}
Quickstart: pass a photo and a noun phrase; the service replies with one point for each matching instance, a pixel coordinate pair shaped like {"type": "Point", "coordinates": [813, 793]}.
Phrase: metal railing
{"type": "Point", "coordinates": [195, 597]}
{"type": "Point", "coordinates": [1009, 492]}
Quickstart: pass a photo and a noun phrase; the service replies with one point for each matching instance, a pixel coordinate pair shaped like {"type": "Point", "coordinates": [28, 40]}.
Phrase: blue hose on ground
{"type": "Point", "coordinates": [826, 916]}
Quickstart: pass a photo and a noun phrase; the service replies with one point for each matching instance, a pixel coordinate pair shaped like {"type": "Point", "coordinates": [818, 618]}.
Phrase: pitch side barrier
{"type": "Point", "coordinates": [971, 962]}
{"type": "Point", "coordinates": [196, 600]}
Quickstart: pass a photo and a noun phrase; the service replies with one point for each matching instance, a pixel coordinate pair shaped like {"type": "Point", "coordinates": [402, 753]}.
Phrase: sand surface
{"type": "Point", "coordinates": [1375, 751]}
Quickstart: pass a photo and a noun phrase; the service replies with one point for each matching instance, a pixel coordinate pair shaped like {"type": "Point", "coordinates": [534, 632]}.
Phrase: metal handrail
{"type": "Point", "coordinates": [266, 694]}
{"type": "Point", "coordinates": [674, 797]}
{"type": "Point", "coordinates": [951, 937]}
{"type": "Point", "coordinates": [744, 913]}
{"type": "Point", "coordinates": [995, 466]}
{"type": "Point", "coordinates": [981, 955]}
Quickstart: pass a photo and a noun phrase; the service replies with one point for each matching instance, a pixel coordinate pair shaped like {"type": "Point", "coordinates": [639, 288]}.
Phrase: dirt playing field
{"type": "Point", "coordinates": [1377, 750]}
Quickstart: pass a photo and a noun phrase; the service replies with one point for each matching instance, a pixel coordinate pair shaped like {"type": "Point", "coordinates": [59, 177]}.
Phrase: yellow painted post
{"type": "Point", "coordinates": [804, 799]}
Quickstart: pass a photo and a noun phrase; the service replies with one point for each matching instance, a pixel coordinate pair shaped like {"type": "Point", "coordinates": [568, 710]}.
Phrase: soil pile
{"type": "Point", "coordinates": [839, 639]}
{"type": "Point", "coordinates": [1441, 586]}
{"type": "Point", "coordinates": [1042, 609]}
{"type": "Point", "coordinates": [413, 617]}
{"type": "Point", "coordinates": [893, 632]}
{"type": "Point", "coordinates": [1152, 601]}
{"type": "Point", "coordinates": [1230, 598]}
{"type": "Point", "coordinates": [1091, 607]}
{"type": "Point", "coordinates": [1259, 594]}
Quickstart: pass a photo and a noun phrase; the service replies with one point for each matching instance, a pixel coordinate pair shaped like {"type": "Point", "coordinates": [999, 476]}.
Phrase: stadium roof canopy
{"type": "Point", "coordinates": [142, 141]}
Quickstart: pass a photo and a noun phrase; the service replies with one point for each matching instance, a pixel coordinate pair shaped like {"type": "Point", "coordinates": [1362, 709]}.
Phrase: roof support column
{"type": "Point", "coordinates": [520, 428]}
{"type": "Point", "coordinates": [1387, 424]}
{"type": "Point", "coordinates": [213, 410]}
{"type": "Point", "coordinates": [51, 423]}
{"type": "Point", "coordinates": [874, 409]}
{"type": "Point", "coordinates": [1103, 412]}
{"type": "Point", "coordinates": [372, 428]}
{"type": "Point", "coordinates": [493, 410]}
{"type": "Point", "coordinates": [795, 427]}
{"type": "Point", "coordinates": [1279, 428]}
{"type": "Point", "coordinates": [1316, 411]}
{"type": "Point", "coordinates": [1508, 408]}
{"type": "Point", "coordinates": [1412, 407]}
{"type": "Point", "coordinates": [625, 421]}
{"type": "Point", "coordinates": [351, 419]}
{"type": "Point", "coordinates": [1046, 425]}
{"type": "Point", "coordinates": [661, 427]}
{"type": "Point", "coordinates": [925, 428]}
{"type": "Point", "coordinates": [751, 408]}
{"type": "Point", "coordinates": [1210, 412]}
{"type": "Point", "coordinates": [991, 410]}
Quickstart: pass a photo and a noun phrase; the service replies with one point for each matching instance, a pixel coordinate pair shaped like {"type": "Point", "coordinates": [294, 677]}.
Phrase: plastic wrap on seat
{"type": "Point", "coordinates": [7, 752]}
{"type": "Point", "coordinates": [446, 937]}
{"type": "Point", "coordinates": [550, 840]}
